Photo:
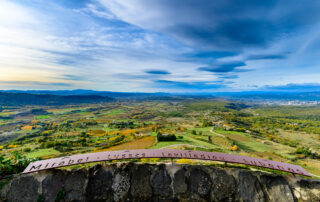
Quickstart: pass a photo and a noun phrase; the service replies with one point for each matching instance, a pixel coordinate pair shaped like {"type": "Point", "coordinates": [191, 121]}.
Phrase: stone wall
{"type": "Point", "coordinates": [162, 182]}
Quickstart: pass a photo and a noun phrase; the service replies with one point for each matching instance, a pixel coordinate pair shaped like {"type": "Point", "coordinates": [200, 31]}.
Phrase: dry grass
{"type": "Point", "coordinates": [237, 137]}
{"type": "Point", "coordinates": [27, 128]}
{"type": "Point", "coordinates": [221, 141]}
{"type": "Point", "coordinates": [313, 165]}
{"type": "Point", "coordinates": [305, 139]}
{"type": "Point", "coordinates": [97, 132]}
{"type": "Point", "coordinates": [268, 155]}
{"type": "Point", "coordinates": [141, 143]}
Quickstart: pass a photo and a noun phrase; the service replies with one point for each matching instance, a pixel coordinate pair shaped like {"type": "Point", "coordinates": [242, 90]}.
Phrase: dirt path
{"type": "Point", "coordinates": [315, 175]}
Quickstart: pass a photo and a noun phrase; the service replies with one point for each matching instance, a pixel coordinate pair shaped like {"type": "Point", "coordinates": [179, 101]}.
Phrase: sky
{"type": "Point", "coordinates": [160, 45]}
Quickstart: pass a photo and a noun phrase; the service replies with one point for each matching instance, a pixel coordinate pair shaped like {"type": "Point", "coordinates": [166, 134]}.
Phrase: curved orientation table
{"type": "Point", "coordinates": [162, 153]}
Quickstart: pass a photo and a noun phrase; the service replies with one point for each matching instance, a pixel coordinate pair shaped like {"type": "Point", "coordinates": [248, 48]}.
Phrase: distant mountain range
{"type": "Point", "coordinates": [87, 92]}
{"type": "Point", "coordinates": [19, 98]}
{"type": "Point", "coordinates": [60, 97]}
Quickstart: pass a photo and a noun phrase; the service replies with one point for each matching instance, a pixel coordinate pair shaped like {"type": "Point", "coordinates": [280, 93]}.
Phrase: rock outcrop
{"type": "Point", "coordinates": [158, 182]}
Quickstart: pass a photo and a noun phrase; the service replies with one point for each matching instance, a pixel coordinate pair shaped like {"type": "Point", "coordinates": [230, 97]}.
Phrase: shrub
{"type": "Point", "coordinates": [48, 145]}
{"type": "Point", "coordinates": [303, 152]}
{"type": "Point", "coordinates": [235, 148]}
{"type": "Point", "coordinates": [26, 150]}
{"type": "Point", "coordinates": [15, 164]}
{"type": "Point", "coordinates": [206, 123]}
{"type": "Point", "coordinates": [150, 160]}
{"type": "Point", "coordinates": [184, 161]}
{"type": "Point", "coordinates": [12, 146]}
{"type": "Point", "coordinates": [116, 139]}
{"type": "Point", "coordinates": [168, 137]}
{"type": "Point", "coordinates": [84, 134]}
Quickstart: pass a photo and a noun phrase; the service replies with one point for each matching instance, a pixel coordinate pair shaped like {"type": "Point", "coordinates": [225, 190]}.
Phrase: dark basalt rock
{"type": "Point", "coordinates": [276, 188]}
{"type": "Point", "coordinates": [161, 184]}
{"type": "Point", "coordinates": [180, 181]}
{"type": "Point", "coordinates": [200, 184]}
{"type": "Point", "coordinates": [250, 189]}
{"type": "Point", "coordinates": [52, 184]}
{"type": "Point", "coordinates": [75, 186]}
{"type": "Point", "coordinates": [121, 182]}
{"type": "Point", "coordinates": [99, 186]}
{"type": "Point", "coordinates": [145, 182]}
{"type": "Point", "coordinates": [223, 187]}
{"type": "Point", "coordinates": [24, 188]}
{"type": "Point", "coordinates": [141, 183]}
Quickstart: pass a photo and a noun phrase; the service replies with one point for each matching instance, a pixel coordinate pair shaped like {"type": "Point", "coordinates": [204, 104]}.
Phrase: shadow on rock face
{"type": "Point", "coordinates": [23, 189]}
{"type": "Point", "coordinates": [250, 188]}
{"type": "Point", "coordinates": [99, 185]}
{"type": "Point", "coordinates": [161, 184]}
{"type": "Point", "coordinates": [140, 183]}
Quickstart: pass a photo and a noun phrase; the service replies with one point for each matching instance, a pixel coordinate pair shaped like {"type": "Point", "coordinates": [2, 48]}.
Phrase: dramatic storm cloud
{"type": "Point", "coordinates": [219, 24]}
{"type": "Point", "coordinates": [159, 45]}
{"type": "Point", "coordinates": [224, 67]}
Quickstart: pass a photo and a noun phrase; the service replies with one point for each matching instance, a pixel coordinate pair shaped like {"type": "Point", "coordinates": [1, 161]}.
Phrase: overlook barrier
{"type": "Point", "coordinates": [161, 153]}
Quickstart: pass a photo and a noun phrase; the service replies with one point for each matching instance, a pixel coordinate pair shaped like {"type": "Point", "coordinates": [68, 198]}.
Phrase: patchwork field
{"type": "Point", "coordinates": [279, 133]}
{"type": "Point", "coordinates": [142, 143]}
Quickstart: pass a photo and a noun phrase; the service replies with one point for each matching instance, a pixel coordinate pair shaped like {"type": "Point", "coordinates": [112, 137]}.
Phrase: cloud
{"type": "Point", "coordinates": [211, 54]}
{"type": "Point", "coordinates": [157, 72]}
{"type": "Point", "coordinates": [295, 87]}
{"type": "Point", "coordinates": [35, 83]}
{"type": "Point", "coordinates": [132, 76]}
{"type": "Point", "coordinates": [224, 67]}
{"type": "Point", "coordinates": [73, 77]}
{"type": "Point", "coordinates": [254, 33]}
{"type": "Point", "coordinates": [179, 85]}
{"type": "Point", "coordinates": [206, 57]}
{"type": "Point", "coordinates": [56, 43]}
{"type": "Point", "coordinates": [96, 10]}
{"type": "Point", "coordinates": [228, 76]}
{"type": "Point", "coordinates": [218, 25]}
{"type": "Point", "coordinates": [127, 45]}
{"type": "Point", "coordinates": [267, 57]}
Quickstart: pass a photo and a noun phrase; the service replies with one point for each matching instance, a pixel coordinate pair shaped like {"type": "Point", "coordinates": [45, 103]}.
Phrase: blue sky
{"type": "Point", "coordinates": [160, 45]}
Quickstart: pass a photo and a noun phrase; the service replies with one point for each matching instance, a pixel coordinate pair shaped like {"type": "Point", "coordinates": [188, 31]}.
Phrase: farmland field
{"type": "Point", "coordinates": [142, 143]}
{"type": "Point", "coordinates": [41, 132]}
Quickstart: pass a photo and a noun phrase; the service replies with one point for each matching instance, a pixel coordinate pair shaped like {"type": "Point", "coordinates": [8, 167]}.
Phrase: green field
{"type": "Point", "coordinates": [281, 133]}
{"type": "Point", "coordinates": [43, 117]}
{"type": "Point", "coordinates": [42, 152]}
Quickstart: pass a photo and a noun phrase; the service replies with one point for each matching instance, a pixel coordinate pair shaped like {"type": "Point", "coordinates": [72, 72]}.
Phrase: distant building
{"type": "Point", "coordinates": [141, 134]}
{"type": "Point", "coordinates": [165, 134]}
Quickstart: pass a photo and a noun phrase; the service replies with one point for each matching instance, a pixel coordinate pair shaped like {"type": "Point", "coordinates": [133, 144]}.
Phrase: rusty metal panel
{"type": "Point", "coordinates": [161, 153]}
